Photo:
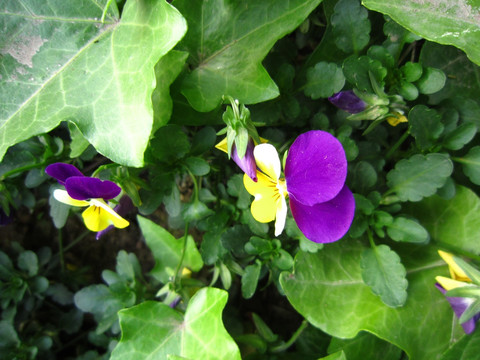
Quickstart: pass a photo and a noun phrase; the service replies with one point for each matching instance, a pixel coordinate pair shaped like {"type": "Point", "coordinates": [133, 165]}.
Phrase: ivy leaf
{"type": "Point", "coordinates": [73, 67]}
{"type": "Point", "coordinates": [467, 348]}
{"type": "Point", "coordinates": [327, 289]}
{"type": "Point", "coordinates": [419, 176]}
{"type": "Point", "coordinates": [250, 279]}
{"type": "Point", "coordinates": [365, 346]}
{"type": "Point", "coordinates": [471, 164]}
{"type": "Point", "coordinates": [384, 272]}
{"type": "Point", "coordinates": [407, 230]}
{"type": "Point", "coordinates": [449, 23]}
{"type": "Point", "coordinates": [155, 331]}
{"type": "Point", "coordinates": [324, 80]}
{"type": "Point", "coordinates": [454, 222]}
{"type": "Point", "coordinates": [425, 125]}
{"type": "Point", "coordinates": [351, 26]}
{"type": "Point", "coordinates": [228, 41]}
{"type": "Point", "coordinates": [167, 251]}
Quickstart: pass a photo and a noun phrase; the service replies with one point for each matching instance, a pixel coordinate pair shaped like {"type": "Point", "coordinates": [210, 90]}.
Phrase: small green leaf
{"type": "Point", "coordinates": [263, 329]}
{"type": "Point", "coordinates": [250, 279]}
{"type": "Point", "coordinates": [196, 211]}
{"type": "Point", "coordinates": [357, 71]}
{"type": "Point", "coordinates": [203, 140]}
{"type": "Point", "coordinates": [425, 125]}
{"type": "Point", "coordinates": [197, 166]}
{"type": "Point", "coordinates": [8, 335]}
{"type": "Point", "coordinates": [339, 355]}
{"type": "Point", "coordinates": [167, 251]}
{"type": "Point", "coordinates": [28, 261]}
{"type": "Point", "coordinates": [58, 211]}
{"type": "Point", "coordinates": [324, 80]}
{"type": "Point", "coordinates": [408, 91]}
{"type": "Point", "coordinates": [170, 143]}
{"type": "Point", "coordinates": [384, 272]}
{"type": "Point", "coordinates": [363, 177]}
{"type": "Point", "coordinates": [411, 71]}
{"type": "Point", "coordinates": [471, 164]}
{"type": "Point", "coordinates": [419, 176]}
{"type": "Point", "coordinates": [432, 80]}
{"type": "Point", "coordinates": [407, 230]}
{"type": "Point", "coordinates": [459, 137]}
{"type": "Point", "coordinates": [351, 26]}
{"type": "Point", "coordinates": [154, 330]}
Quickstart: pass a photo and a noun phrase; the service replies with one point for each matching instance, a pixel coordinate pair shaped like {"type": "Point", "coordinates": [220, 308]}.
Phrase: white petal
{"type": "Point", "coordinates": [266, 157]}
{"type": "Point", "coordinates": [281, 216]}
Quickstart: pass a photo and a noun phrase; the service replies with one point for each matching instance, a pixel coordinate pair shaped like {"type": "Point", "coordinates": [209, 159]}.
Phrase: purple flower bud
{"type": "Point", "coordinates": [348, 101]}
{"type": "Point", "coordinates": [247, 163]}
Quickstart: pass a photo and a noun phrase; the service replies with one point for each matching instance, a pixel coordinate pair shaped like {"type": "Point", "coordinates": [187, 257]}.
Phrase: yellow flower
{"type": "Point", "coordinates": [458, 276]}
{"type": "Point", "coordinates": [396, 119]}
{"type": "Point", "coordinates": [270, 190]}
{"type": "Point", "coordinates": [98, 216]}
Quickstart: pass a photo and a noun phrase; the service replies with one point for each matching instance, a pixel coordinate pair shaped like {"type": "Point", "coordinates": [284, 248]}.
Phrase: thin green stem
{"type": "Point", "coordinates": [21, 169]}
{"type": "Point", "coordinates": [182, 256]}
{"type": "Point", "coordinates": [60, 250]}
{"type": "Point", "coordinates": [397, 144]}
{"type": "Point", "coordinates": [370, 238]}
{"type": "Point", "coordinates": [105, 9]}
{"type": "Point", "coordinates": [291, 341]}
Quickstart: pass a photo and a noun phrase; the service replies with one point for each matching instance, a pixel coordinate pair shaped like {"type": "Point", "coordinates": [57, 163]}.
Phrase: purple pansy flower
{"type": "Point", "coordinates": [247, 163]}
{"type": "Point", "coordinates": [125, 205]}
{"type": "Point", "coordinates": [315, 173]}
{"type": "Point", "coordinates": [84, 191]}
{"type": "Point", "coordinates": [459, 305]}
{"type": "Point", "coordinates": [348, 101]}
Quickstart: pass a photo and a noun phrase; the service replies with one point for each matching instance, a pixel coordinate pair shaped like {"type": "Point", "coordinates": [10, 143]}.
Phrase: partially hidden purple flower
{"type": "Point", "coordinates": [348, 101]}
{"type": "Point", "coordinates": [459, 305]}
{"type": "Point", "coordinates": [315, 173]}
{"type": "Point", "coordinates": [247, 163]}
{"type": "Point", "coordinates": [88, 192]}
{"type": "Point", "coordinates": [4, 218]}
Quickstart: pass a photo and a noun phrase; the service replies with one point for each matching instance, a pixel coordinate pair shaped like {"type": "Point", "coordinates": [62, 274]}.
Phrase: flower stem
{"type": "Point", "coordinates": [60, 250]}
{"type": "Point", "coordinates": [22, 169]}
{"type": "Point", "coordinates": [397, 144]}
{"type": "Point", "coordinates": [370, 238]}
{"type": "Point", "coordinates": [291, 341]}
{"type": "Point", "coordinates": [182, 256]}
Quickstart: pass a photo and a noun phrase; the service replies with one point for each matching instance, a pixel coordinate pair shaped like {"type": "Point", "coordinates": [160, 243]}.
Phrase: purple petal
{"type": "Point", "coordinates": [316, 168]}
{"type": "Point", "coordinates": [459, 305]}
{"type": "Point", "coordinates": [348, 101]}
{"type": "Point", "coordinates": [83, 188]}
{"type": "Point", "coordinates": [125, 205]}
{"type": "Point", "coordinates": [62, 172]}
{"type": "Point", "coordinates": [247, 163]}
{"type": "Point", "coordinates": [325, 222]}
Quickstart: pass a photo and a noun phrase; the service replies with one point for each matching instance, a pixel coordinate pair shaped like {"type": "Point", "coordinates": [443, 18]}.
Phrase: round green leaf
{"type": "Point", "coordinates": [324, 80]}
{"type": "Point", "coordinates": [432, 80]}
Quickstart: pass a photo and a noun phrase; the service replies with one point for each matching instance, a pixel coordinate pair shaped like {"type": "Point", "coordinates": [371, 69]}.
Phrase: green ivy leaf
{"type": "Point", "coordinates": [167, 251]}
{"type": "Point", "coordinates": [228, 41]}
{"type": "Point", "coordinates": [323, 80]}
{"type": "Point", "coordinates": [454, 222]}
{"type": "Point", "coordinates": [351, 26]}
{"type": "Point", "coordinates": [365, 346]}
{"type": "Point", "coordinates": [467, 348]}
{"type": "Point", "coordinates": [407, 230]}
{"type": "Point", "coordinates": [166, 71]}
{"type": "Point", "coordinates": [384, 272]}
{"type": "Point", "coordinates": [449, 23]}
{"type": "Point", "coordinates": [419, 176]}
{"type": "Point", "coordinates": [340, 355]}
{"type": "Point", "coordinates": [425, 125]}
{"type": "Point", "coordinates": [153, 330]}
{"type": "Point", "coordinates": [104, 73]}
{"type": "Point", "coordinates": [327, 289]}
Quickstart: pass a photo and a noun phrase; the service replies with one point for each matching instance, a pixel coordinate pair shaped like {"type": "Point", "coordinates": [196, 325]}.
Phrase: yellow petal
{"type": "Point", "coordinates": [264, 207]}
{"type": "Point", "coordinates": [396, 119]}
{"type": "Point", "coordinates": [455, 271]}
{"type": "Point", "coordinates": [99, 216]}
{"type": "Point", "coordinates": [266, 157]}
{"type": "Point", "coordinates": [222, 145]}
{"type": "Point", "coordinates": [63, 197]}
{"type": "Point", "coordinates": [449, 284]}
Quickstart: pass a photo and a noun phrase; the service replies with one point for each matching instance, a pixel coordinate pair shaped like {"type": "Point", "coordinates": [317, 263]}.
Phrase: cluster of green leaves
{"type": "Point", "coordinates": [126, 81]}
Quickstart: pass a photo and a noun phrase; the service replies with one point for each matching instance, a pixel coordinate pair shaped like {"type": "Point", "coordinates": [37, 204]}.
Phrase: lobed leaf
{"type": "Point", "coordinates": [323, 80]}
{"type": "Point", "coordinates": [419, 176]}
{"type": "Point", "coordinates": [443, 21]}
{"type": "Point", "coordinates": [64, 64]}
{"type": "Point", "coordinates": [384, 272]}
{"type": "Point", "coordinates": [155, 331]}
{"type": "Point", "coordinates": [228, 41]}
